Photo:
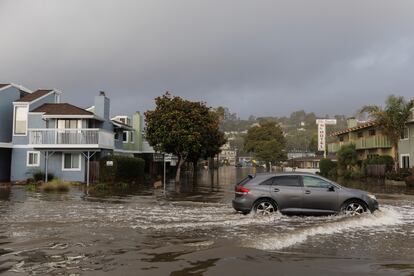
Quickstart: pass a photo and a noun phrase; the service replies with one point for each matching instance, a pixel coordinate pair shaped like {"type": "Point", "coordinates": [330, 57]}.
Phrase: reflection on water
{"type": "Point", "coordinates": [193, 230]}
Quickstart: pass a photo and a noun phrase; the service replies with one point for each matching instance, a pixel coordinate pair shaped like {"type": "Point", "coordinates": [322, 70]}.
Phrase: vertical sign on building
{"type": "Point", "coordinates": [321, 136]}
{"type": "Point", "coordinates": [322, 133]}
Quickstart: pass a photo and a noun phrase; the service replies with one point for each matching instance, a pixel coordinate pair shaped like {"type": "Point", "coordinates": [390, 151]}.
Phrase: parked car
{"type": "Point", "coordinates": [299, 193]}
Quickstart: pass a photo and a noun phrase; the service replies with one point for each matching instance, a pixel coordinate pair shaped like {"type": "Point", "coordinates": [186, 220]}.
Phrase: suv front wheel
{"type": "Point", "coordinates": [353, 208]}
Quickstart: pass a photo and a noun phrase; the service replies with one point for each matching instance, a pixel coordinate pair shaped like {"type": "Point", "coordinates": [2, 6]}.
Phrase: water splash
{"type": "Point", "coordinates": [388, 216]}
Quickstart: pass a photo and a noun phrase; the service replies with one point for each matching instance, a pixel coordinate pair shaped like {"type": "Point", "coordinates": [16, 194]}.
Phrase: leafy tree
{"type": "Point", "coordinates": [347, 157]}
{"type": "Point", "coordinates": [184, 128]}
{"type": "Point", "coordinates": [211, 139]}
{"type": "Point", "coordinates": [391, 119]}
{"type": "Point", "coordinates": [266, 142]}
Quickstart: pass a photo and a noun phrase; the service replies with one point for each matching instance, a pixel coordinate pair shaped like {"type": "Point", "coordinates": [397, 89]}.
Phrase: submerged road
{"type": "Point", "coordinates": [195, 231]}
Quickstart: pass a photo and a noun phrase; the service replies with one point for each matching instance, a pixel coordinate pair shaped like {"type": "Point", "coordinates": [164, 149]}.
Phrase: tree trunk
{"type": "Point", "coordinates": [195, 171]}
{"type": "Point", "coordinates": [181, 161]}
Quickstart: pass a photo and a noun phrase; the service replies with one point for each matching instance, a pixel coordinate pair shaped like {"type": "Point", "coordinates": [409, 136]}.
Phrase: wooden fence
{"type": "Point", "coordinates": [376, 171]}
{"type": "Point", "coordinates": [94, 171]}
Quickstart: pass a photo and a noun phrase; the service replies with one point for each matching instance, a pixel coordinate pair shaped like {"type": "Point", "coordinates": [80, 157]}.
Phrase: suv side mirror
{"type": "Point", "coordinates": [331, 188]}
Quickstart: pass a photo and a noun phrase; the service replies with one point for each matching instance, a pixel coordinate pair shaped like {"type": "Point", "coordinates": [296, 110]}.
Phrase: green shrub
{"type": "Point", "coordinates": [409, 180]}
{"type": "Point", "coordinates": [40, 176]}
{"type": "Point", "coordinates": [326, 166]}
{"type": "Point", "coordinates": [398, 176]}
{"type": "Point", "coordinates": [56, 185]}
{"type": "Point", "coordinates": [347, 156]}
{"type": "Point", "coordinates": [386, 160]}
{"type": "Point", "coordinates": [357, 174]}
{"type": "Point", "coordinates": [347, 174]}
{"type": "Point", "coordinates": [127, 169]}
{"type": "Point", "coordinates": [333, 174]}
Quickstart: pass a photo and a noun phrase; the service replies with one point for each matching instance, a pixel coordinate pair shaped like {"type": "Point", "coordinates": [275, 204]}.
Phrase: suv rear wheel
{"type": "Point", "coordinates": [265, 207]}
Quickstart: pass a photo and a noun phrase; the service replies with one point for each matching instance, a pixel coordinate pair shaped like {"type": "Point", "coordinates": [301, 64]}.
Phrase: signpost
{"type": "Point", "coordinates": [322, 133]}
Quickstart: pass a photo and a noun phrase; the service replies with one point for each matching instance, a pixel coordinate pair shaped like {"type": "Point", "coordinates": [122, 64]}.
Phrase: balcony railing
{"type": "Point", "coordinates": [363, 143]}
{"type": "Point", "coordinates": [72, 138]}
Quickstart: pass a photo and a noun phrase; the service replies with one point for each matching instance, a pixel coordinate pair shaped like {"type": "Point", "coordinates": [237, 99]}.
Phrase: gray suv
{"type": "Point", "coordinates": [299, 193]}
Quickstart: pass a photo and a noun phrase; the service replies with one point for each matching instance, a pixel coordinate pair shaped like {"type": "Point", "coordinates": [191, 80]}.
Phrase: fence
{"type": "Point", "coordinates": [376, 171]}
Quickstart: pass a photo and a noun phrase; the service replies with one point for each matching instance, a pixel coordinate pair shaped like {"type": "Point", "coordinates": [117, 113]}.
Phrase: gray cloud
{"type": "Point", "coordinates": [256, 57]}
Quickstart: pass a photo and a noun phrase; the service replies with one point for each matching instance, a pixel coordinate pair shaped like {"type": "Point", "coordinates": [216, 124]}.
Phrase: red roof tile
{"type": "Point", "coordinates": [358, 127]}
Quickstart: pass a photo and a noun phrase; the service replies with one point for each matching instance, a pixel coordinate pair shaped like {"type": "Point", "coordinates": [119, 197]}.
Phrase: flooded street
{"type": "Point", "coordinates": [194, 230]}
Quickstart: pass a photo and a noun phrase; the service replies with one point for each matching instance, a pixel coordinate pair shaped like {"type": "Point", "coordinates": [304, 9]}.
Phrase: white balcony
{"type": "Point", "coordinates": [71, 138]}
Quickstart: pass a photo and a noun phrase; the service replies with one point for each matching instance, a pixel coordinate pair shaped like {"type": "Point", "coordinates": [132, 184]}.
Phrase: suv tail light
{"type": "Point", "coordinates": [240, 190]}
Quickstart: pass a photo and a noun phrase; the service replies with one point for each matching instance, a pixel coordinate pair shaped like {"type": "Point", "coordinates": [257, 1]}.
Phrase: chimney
{"type": "Point", "coordinates": [102, 106]}
{"type": "Point", "coordinates": [352, 122]}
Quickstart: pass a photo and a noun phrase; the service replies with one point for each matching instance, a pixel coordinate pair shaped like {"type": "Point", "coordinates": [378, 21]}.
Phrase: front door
{"type": "Point", "coordinates": [287, 191]}
{"type": "Point", "coordinates": [318, 195]}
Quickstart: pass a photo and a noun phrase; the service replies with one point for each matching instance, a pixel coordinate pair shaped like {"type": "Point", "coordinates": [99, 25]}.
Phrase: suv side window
{"type": "Point", "coordinates": [287, 180]}
{"type": "Point", "coordinates": [315, 182]}
{"type": "Point", "coordinates": [268, 181]}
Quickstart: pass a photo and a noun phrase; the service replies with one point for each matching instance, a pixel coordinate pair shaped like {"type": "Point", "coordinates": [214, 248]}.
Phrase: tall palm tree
{"type": "Point", "coordinates": [391, 119]}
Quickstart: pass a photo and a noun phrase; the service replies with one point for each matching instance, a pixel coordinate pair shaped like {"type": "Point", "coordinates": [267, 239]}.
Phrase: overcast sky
{"type": "Point", "coordinates": [253, 56]}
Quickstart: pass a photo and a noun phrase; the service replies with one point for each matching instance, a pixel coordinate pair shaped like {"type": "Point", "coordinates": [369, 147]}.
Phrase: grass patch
{"type": "Point", "coordinates": [56, 185]}
{"type": "Point", "coordinates": [31, 187]}
{"type": "Point", "coordinates": [104, 188]}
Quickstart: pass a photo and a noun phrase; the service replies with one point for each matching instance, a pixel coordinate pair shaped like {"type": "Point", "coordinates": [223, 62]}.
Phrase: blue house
{"type": "Point", "coordinates": [59, 138]}
{"type": "Point", "coordinates": [8, 94]}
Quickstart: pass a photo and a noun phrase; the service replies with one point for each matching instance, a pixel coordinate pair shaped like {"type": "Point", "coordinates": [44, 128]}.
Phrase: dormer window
{"type": "Point", "coordinates": [20, 120]}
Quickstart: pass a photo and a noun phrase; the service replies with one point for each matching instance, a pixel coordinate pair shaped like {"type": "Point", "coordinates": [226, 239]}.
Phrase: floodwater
{"type": "Point", "coordinates": [193, 230]}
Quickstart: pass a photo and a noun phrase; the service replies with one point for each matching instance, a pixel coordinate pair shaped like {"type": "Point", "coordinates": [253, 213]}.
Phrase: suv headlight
{"type": "Point", "coordinates": [372, 196]}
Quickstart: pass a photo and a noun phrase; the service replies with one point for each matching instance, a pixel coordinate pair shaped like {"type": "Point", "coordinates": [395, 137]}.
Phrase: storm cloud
{"type": "Point", "coordinates": [255, 57]}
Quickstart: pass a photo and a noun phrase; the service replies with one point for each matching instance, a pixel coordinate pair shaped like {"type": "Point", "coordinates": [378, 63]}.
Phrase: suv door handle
{"type": "Point", "coordinates": [307, 192]}
{"type": "Point", "coordinates": [276, 190]}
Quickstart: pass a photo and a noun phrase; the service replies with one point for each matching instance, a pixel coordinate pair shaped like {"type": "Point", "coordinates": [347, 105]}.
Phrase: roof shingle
{"type": "Point", "coordinates": [61, 109]}
{"type": "Point", "coordinates": [358, 127]}
{"type": "Point", "coordinates": [33, 96]}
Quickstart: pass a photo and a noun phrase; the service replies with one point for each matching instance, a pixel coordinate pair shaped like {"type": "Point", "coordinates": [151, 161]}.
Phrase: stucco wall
{"type": "Point", "coordinates": [20, 171]}
{"type": "Point", "coordinates": [7, 97]}
{"type": "Point", "coordinates": [406, 146]}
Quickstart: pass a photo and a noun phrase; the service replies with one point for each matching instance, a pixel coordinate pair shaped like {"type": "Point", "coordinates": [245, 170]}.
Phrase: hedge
{"type": "Point", "coordinates": [327, 167]}
{"type": "Point", "coordinates": [124, 168]}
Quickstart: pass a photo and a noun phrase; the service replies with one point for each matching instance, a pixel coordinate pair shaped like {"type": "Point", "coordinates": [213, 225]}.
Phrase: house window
{"type": "Point", "coordinates": [132, 137]}
{"type": "Point", "coordinates": [405, 161]}
{"type": "Point", "coordinates": [69, 124]}
{"type": "Point", "coordinates": [404, 133]}
{"type": "Point", "coordinates": [372, 132]}
{"type": "Point", "coordinates": [33, 159]}
{"type": "Point", "coordinates": [341, 138]}
{"type": "Point", "coordinates": [20, 120]}
{"type": "Point", "coordinates": [125, 137]}
{"type": "Point", "coordinates": [71, 162]}
{"type": "Point", "coordinates": [360, 134]}
{"type": "Point", "coordinates": [116, 136]}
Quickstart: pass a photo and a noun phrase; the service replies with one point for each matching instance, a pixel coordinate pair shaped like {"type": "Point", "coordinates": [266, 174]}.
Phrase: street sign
{"type": "Point", "coordinates": [158, 157]}
{"type": "Point", "coordinates": [326, 121]}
